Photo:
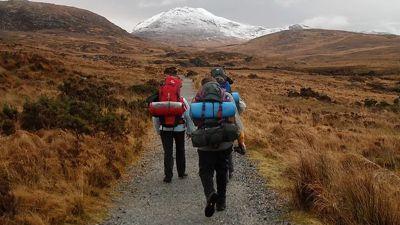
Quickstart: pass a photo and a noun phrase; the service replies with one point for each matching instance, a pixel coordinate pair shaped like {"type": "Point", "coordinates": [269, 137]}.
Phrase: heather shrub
{"type": "Point", "coordinates": [191, 73]}
{"type": "Point", "coordinates": [8, 117]}
{"type": "Point", "coordinates": [151, 86]}
{"type": "Point", "coordinates": [7, 199]}
{"type": "Point", "coordinates": [8, 127]}
{"type": "Point", "coordinates": [9, 112]}
{"type": "Point", "coordinates": [86, 90]}
{"type": "Point", "coordinates": [137, 105]}
{"type": "Point", "coordinates": [112, 123]}
{"type": "Point", "coordinates": [81, 117]}
{"type": "Point", "coordinates": [46, 113]}
{"type": "Point", "coordinates": [374, 104]}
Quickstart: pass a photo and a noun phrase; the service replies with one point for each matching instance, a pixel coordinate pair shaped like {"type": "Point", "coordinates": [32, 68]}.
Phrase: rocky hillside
{"type": "Point", "coordinates": [22, 15]}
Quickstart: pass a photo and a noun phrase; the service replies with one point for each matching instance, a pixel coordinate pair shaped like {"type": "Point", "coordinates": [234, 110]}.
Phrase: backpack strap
{"type": "Point", "coordinates": [178, 93]}
{"type": "Point", "coordinates": [203, 111]}
{"type": "Point", "coordinates": [219, 112]}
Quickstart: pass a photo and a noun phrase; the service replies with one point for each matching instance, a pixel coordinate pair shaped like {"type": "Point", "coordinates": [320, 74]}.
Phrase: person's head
{"type": "Point", "coordinates": [219, 75]}
{"type": "Point", "coordinates": [218, 72]}
{"type": "Point", "coordinates": [207, 80]}
{"type": "Point", "coordinates": [220, 80]}
{"type": "Point", "coordinates": [171, 71]}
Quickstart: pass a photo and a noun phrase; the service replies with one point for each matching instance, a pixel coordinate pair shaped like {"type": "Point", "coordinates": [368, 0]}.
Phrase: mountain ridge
{"type": "Point", "coordinates": [198, 24]}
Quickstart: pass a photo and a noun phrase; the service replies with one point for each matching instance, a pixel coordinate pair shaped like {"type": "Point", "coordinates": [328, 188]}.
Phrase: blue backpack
{"type": "Point", "coordinates": [226, 86]}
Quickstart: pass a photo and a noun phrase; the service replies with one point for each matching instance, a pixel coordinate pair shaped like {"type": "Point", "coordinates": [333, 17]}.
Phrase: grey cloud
{"type": "Point", "coordinates": [149, 4]}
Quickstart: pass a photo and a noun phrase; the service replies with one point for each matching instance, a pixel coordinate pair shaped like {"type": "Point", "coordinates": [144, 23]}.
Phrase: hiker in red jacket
{"type": "Point", "coordinates": [172, 123]}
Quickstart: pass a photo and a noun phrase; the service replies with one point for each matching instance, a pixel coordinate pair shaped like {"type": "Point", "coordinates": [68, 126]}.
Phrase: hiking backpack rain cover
{"type": "Point", "coordinates": [170, 107]}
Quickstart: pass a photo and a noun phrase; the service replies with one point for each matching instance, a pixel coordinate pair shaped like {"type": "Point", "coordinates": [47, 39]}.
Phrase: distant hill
{"type": "Point", "coordinates": [21, 15]}
{"type": "Point", "coordinates": [303, 43]}
{"type": "Point", "coordinates": [324, 47]}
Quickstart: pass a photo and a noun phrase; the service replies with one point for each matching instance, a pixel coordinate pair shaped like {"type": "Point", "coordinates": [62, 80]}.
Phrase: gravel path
{"type": "Point", "coordinates": [145, 199]}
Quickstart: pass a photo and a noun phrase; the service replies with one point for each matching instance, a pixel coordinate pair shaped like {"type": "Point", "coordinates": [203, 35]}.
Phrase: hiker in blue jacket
{"type": "Point", "coordinates": [225, 82]}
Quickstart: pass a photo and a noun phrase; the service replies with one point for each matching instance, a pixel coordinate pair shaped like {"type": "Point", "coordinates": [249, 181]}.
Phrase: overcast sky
{"type": "Point", "coordinates": [358, 15]}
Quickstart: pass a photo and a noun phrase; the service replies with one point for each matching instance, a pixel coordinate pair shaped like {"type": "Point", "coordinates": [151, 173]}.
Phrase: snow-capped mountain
{"type": "Point", "coordinates": [189, 25]}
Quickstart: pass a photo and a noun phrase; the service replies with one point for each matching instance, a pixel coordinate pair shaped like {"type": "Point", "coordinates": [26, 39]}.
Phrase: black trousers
{"type": "Point", "coordinates": [210, 161]}
{"type": "Point", "coordinates": [230, 164]}
{"type": "Point", "coordinates": [167, 138]}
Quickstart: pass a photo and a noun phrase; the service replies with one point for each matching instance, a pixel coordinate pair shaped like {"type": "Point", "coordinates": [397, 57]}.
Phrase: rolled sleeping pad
{"type": "Point", "coordinates": [167, 108]}
{"type": "Point", "coordinates": [236, 97]}
{"type": "Point", "coordinates": [211, 110]}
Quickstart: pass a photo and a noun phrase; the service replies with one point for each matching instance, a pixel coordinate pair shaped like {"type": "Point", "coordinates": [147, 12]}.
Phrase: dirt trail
{"type": "Point", "coordinates": [145, 199]}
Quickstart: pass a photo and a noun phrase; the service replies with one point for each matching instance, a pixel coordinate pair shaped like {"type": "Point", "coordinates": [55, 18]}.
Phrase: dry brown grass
{"type": "Point", "coordinates": [56, 179]}
{"type": "Point", "coordinates": [339, 161]}
{"type": "Point", "coordinates": [53, 176]}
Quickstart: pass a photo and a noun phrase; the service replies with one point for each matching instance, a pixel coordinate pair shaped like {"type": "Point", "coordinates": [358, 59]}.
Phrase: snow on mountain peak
{"type": "Point", "coordinates": [201, 24]}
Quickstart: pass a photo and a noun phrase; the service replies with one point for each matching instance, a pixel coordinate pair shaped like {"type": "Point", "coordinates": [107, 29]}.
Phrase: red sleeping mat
{"type": "Point", "coordinates": [158, 109]}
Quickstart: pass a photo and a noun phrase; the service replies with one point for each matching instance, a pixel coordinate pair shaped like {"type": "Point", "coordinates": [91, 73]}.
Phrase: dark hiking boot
{"type": "Point", "coordinates": [241, 149]}
{"type": "Point", "coordinates": [183, 176]}
{"type": "Point", "coordinates": [167, 180]}
{"type": "Point", "coordinates": [210, 207]}
{"type": "Point", "coordinates": [221, 204]}
{"type": "Point", "coordinates": [230, 175]}
{"type": "Point", "coordinates": [221, 207]}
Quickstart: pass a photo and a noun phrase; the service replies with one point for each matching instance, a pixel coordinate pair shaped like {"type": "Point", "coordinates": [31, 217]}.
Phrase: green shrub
{"type": "Point", "coordinates": [10, 112]}
{"type": "Point", "coordinates": [45, 113]}
{"type": "Point", "coordinates": [85, 110]}
{"type": "Point", "coordinates": [383, 104]}
{"type": "Point", "coordinates": [113, 124]}
{"type": "Point", "coordinates": [86, 90]}
{"type": "Point", "coordinates": [310, 93]}
{"type": "Point", "coordinates": [396, 89]}
{"type": "Point", "coordinates": [396, 105]}
{"type": "Point", "coordinates": [199, 62]}
{"type": "Point", "coordinates": [370, 103]}
{"type": "Point", "coordinates": [75, 124]}
{"type": "Point", "coordinates": [253, 76]}
{"type": "Point", "coordinates": [191, 73]}
{"type": "Point", "coordinates": [397, 101]}
{"type": "Point", "coordinates": [137, 105]}
{"type": "Point", "coordinates": [171, 70]}
{"type": "Point", "coordinates": [8, 127]}
{"type": "Point", "coordinates": [151, 86]}
{"type": "Point", "coordinates": [140, 89]}
{"type": "Point", "coordinates": [80, 117]}
{"type": "Point", "coordinates": [8, 201]}
{"type": "Point", "coordinates": [248, 59]}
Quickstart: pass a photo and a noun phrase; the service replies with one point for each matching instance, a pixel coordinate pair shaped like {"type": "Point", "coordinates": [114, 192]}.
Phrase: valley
{"type": "Point", "coordinates": [322, 125]}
